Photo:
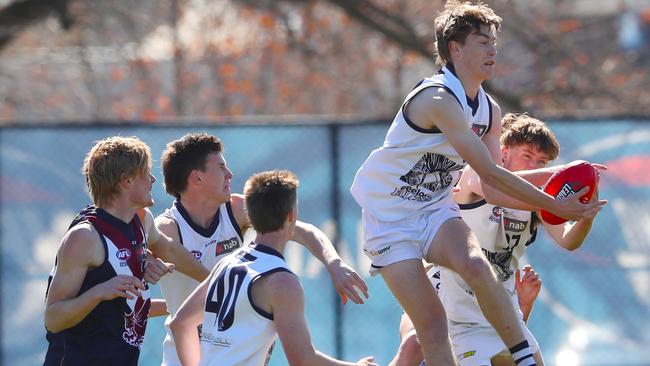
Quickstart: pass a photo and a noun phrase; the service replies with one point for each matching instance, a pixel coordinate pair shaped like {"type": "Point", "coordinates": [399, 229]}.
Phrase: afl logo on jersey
{"type": "Point", "coordinates": [197, 254]}
{"type": "Point", "coordinates": [123, 254]}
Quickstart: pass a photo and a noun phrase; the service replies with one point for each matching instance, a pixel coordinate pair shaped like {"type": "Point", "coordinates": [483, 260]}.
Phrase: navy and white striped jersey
{"type": "Point", "coordinates": [208, 246]}
{"type": "Point", "coordinates": [234, 330]}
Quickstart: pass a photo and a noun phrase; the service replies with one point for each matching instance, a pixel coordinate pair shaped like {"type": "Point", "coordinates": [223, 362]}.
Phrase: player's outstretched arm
{"type": "Point", "coordinates": [527, 287]}
{"type": "Point", "coordinates": [285, 296]}
{"type": "Point", "coordinates": [164, 243]}
{"type": "Point", "coordinates": [450, 120]}
{"type": "Point", "coordinates": [346, 280]}
{"type": "Point", "coordinates": [471, 185]}
{"type": "Point", "coordinates": [184, 325]}
{"type": "Point", "coordinates": [81, 249]}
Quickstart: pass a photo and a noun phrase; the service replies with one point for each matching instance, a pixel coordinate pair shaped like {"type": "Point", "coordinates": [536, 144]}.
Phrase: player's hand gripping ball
{"type": "Point", "coordinates": [568, 181]}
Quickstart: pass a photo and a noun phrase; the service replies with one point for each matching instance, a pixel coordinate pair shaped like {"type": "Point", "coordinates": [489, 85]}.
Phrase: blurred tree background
{"type": "Point", "coordinates": [188, 60]}
{"type": "Point", "coordinates": [222, 62]}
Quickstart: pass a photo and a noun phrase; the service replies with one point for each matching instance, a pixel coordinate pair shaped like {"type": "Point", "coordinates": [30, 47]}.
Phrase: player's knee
{"type": "Point", "coordinates": [409, 351]}
{"type": "Point", "coordinates": [410, 345]}
{"type": "Point", "coordinates": [434, 333]}
{"type": "Point", "coordinates": [431, 321]}
{"type": "Point", "coordinates": [476, 269]}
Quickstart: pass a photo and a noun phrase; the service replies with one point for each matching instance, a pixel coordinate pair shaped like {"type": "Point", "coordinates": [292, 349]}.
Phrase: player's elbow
{"type": "Point", "coordinates": [301, 357]}
{"type": "Point", "coordinates": [176, 324]}
{"type": "Point", "coordinates": [570, 246]}
{"type": "Point", "coordinates": [52, 322]}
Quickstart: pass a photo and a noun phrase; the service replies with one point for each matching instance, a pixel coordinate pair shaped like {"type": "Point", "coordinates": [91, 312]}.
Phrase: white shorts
{"type": "Point", "coordinates": [476, 345]}
{"type": "Point", "coordinates": [388, 242]}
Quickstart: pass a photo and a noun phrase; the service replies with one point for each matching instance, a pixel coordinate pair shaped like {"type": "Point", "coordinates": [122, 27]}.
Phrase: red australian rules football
{"type": "Point", "coordinates": [568, 181]}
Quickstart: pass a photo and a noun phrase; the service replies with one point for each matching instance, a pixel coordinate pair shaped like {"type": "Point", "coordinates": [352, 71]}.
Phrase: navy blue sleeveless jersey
{"type": "Point", "coordinates": [112, 333]}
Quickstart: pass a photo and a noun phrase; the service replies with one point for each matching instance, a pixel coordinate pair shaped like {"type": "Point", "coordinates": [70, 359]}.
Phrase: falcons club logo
{"type": "Point", "coordinates": [135, 322]}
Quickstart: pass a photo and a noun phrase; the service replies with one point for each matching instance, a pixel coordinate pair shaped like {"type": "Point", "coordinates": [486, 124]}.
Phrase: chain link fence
{"type": "Point", "coordinates": [595, 303]}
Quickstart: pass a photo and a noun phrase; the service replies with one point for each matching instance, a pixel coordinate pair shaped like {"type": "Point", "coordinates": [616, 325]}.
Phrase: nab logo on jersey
{"type": "Point", "coordinates": [123, 254]}
{"type": "Point", "coordinates": [514, 225]}
{"type": "Point", "coordinates": [227, 246]}
{"type": "Point", "coordinates": [197, 254]}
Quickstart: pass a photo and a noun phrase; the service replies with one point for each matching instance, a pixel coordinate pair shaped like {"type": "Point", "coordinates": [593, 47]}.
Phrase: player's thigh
{"type": "Point", "coordinates": [453, 245]}
{"type": "Point", "coordinates": [410, 285]}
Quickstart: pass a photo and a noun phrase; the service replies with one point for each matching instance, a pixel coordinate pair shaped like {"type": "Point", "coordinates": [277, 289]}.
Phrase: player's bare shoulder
{"type": "Point", "coordinates": [238, 205]}
{"type": "Point", "coordinates": [426, 108]}
{"type": "Point", "coordinates": [283, 287]}
{"type": "Point", "coordinates": [146, 218]}
{"type": "Point", "coordinates": [496, 117]}
{"type": "Point", "coordinates": [496, 109]}
{"type": "Point", "coordinates": [166, 225]}
{"type": "Point", "coordinates": [81, 244]}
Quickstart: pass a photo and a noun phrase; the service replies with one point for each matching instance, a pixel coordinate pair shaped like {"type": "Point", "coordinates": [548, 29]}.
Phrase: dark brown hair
{"type": "Point", "coordinates": [181, 156]}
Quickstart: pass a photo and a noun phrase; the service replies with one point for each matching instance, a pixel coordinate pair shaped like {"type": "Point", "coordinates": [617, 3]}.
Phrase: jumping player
{"type": "Point", "coordinates": [404, 187]}
{"type": "Point", "coordinates": [504, 234]}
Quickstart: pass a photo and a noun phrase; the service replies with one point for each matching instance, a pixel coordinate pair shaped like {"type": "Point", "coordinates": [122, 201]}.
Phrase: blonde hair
{"type": "Point", "coordinates": [457, 21]}
{"type": "Point", "coordinates": [109, 161]}
{"type": "Point", "coordinates": [522, 129]}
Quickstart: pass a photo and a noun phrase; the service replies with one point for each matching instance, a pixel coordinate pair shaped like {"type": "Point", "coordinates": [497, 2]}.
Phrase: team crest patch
{"type": "Point", "coordinates": [433, 172]}
{"type": "Point", "coordinates": [496, 214]}
{"type": "Point", "coordinates": [135, 322]}
{"type": "Point", "coordinates": [501, 263]}
{"type": "Point", "coordinates": [479, 130]}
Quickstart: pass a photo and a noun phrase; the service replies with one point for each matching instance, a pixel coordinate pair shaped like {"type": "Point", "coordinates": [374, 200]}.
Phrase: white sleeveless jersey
{"type": "Point", "coordinates": [234, 330]}
{"type": "Point", "coordinates": [209, 246]}
{"type": "Point", "coordinates": [416, 168]}
{"type": "Point", "coordinates": [503, 234]}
